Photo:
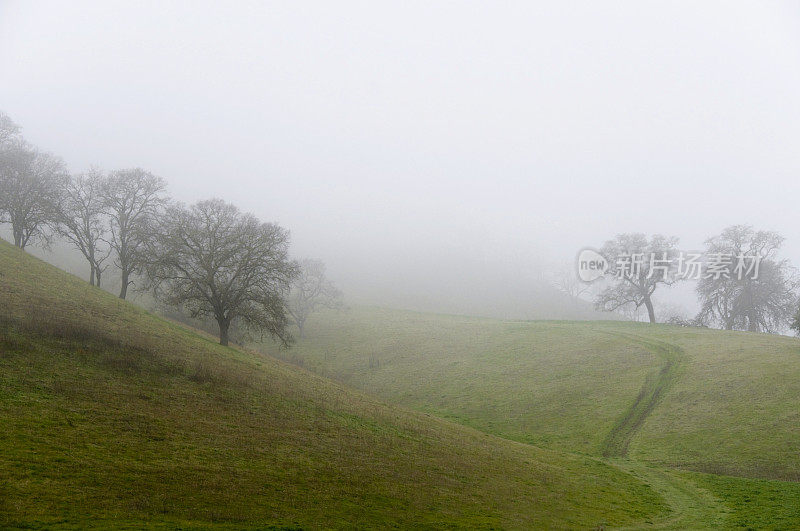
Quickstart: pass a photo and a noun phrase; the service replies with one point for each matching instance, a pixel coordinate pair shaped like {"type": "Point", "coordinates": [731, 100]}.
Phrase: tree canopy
{"type": "Point", "coordinates": [763, 300]}
{"type": "Point", "coordinates": [214, 260]}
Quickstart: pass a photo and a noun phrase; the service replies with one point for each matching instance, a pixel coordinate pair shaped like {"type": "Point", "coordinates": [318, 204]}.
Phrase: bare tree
{"type": "Point", "coordinates": [213, 260]}
{"type": "Point", "coordinates": [762, 300]}
{"type": "Point", "coordinates": [31, 184]}
{"type": "Point", "coordinates": [672, 313]}
{"type": "Point", "coordinates": [567, 282]}
{"type": "Point", "coordinates": [9, 131]}
{"type": "Point", "coordinates": [133, 199]}
{"type": "Point", "coordinates": [311, 290]}
{"type": "Point", "coordinates": [637, 266]}
{"type": "Point", "coordinates": [83, 222]}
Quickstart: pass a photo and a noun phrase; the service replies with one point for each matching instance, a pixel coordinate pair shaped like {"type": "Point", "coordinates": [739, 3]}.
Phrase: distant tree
{"type": "Point", "coordinates": [310, 291]}
{"type": "Point", "coordinates": [133, 199]}
{"type": "Point", "coordinates": [796, 322]}
{"type": "Point", "coordinates": [671, 313]}
{"type": "Point", "coordinates": [637, 266]}
{"type": "Point", "coordinates": [213, 260]}
{"type": "Point", "coordinates": [675, 314]}
{"type": "Point", "coordinates": [9, 131]}
{"type": "Point", "coordinates": [567, 282]}
{"type": "Point", "coordinates": [83, 222]}
{"type": "Point", "coordinates": [764, 300]}
{"type": "Point", "coordinates": [31, 184]}
{"type": "Point", "coordinates": [9, 140]}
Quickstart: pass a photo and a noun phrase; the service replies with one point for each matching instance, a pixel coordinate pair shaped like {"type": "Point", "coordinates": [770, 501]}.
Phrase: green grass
{"type": "Point", "coordinates": [543, 383]}
{"type": "Point", "coordinates": [754, 503]}
{"type": "Point", "coordinates": [112, 417]}
{"type": "Point", "coordinates": [667, 398]}
{"type": "Point", "coordinates": [656, 385]}
{"type": "Point", "coordinates": [691, 505]}
{"type": "Point", "coordinates": [735, 411]}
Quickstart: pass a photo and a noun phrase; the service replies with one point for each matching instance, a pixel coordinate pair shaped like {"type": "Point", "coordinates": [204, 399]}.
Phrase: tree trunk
{"type": "Point", "coordinates": [125, 281]}
{"type": "Point", "coordinates": [224, 325]}
{"type": "Point", "coordinates": [301, 325]}
{"type": "Point", "coordinates": [650, 312]}
{"type": "Point", "coordinates": [18, 239]}
{"type": "Point", "coordinates": [90, 257]}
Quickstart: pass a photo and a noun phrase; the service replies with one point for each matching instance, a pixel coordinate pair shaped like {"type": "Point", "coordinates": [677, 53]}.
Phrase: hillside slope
{"type": "Point", "coordinates": [703, 401]}
{"type": "Point", "coordinates": [112, 417]}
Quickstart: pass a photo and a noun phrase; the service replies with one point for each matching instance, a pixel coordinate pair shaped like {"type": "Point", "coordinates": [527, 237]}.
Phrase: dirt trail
{"type": "Point", "coordinates": [691, 507]}
{"type": "Point", "coordinates": [618, 439]}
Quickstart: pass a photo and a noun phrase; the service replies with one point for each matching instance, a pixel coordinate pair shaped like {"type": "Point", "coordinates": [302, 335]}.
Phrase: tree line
{"type": "Point", "coordinates": [213, 261]}
{"type": "Point", "coordinates": [763, 300]}
{"type": "Point", "coordinates": [209, 259]}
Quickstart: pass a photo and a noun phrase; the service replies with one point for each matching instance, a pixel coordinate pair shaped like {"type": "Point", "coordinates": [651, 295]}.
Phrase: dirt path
{"type": "Point", "coordinates": [618, 439]}
{"type": "Point", "coordinates": [691, 507]}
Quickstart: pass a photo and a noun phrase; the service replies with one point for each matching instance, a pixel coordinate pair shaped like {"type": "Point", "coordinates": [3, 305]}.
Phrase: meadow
{"type": "Point", "coordinates": [113, 417]}
{"type": "Point", "coordinates": [688, 410]}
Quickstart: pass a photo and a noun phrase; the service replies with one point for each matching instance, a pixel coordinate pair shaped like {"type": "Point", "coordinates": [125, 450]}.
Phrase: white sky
{"type": "Point", "coordinates": [410, 142]}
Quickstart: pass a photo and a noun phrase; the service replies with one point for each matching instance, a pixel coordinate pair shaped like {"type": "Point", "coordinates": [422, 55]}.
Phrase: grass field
{"type": "Point", "coordinates": [113, 417]}
{"type": "Point", "coordinates": [554, 384]}
{"type": "Point", "coordinates": [712, 416]}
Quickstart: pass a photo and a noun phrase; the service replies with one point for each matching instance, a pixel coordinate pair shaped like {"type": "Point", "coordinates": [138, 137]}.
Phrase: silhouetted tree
{"type": "Point", "coordinates": [83, 222]}
{"type": "Point", "coordinates": [311, 290]}
{"type": "Point", "coordinates": [763, 300]}
{"type": "Point", "coordinates": [31, 183]}
{"type": "Point", "coordinates": [637, 266]}
{"type": "Point", "coordinates": [215, 261]}
{"type": "Point", "coordinates": [133, 199]}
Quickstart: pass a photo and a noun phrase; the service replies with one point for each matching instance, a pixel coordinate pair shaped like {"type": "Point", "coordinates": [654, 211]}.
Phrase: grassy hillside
{"type": "Point", "coordinates": [735, 411]}
{"type": "Point", "coordinates": [112, 417]}
{"type": "Point", "coordinates": [550, 384]}
{"type": "Point", "coordinates": [699, 400]}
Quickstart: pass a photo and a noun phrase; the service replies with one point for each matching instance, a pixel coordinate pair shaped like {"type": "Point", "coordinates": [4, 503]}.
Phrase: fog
{"type": "Point", "coordinates": [438, 156]}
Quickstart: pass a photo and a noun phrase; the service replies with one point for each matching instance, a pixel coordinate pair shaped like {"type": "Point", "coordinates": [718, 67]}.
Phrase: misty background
{"type": "Point", "coordinates": [447, 157]}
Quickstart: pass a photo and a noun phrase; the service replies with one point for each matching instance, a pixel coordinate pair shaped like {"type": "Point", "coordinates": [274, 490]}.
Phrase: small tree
{"type": "Point", "coordinates": [31, 184]}
{"type": "Point", "coordinates": [765, 301]}
{"type": "Point", "coordinates": [311, 290]}
{"type": "Point", "coordinates": [9, 131]}
{"type": "Point", "coordinates": [567, 282]}
{"type": "Point", "coordinates": [637, 266]}
{"type": "Point", "coordinates": [82, 220]}
{"type": "Point", "coordinates": [133, 199]}
{"type": "Point", "coordinates": [215, 261]}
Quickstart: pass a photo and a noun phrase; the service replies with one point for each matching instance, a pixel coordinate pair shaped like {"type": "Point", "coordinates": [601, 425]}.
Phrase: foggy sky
{"type": "Point", "coordinates": [407, 144]}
